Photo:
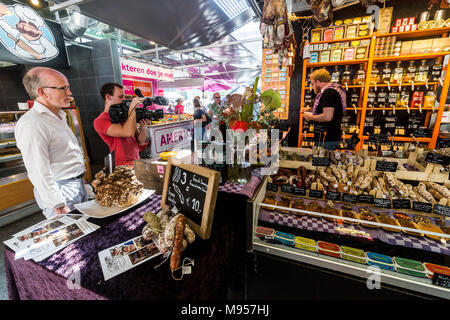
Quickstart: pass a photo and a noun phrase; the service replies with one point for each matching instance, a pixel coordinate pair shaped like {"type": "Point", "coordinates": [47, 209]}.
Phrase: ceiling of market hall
{"type": "Point", "coordinates": [192, 36]}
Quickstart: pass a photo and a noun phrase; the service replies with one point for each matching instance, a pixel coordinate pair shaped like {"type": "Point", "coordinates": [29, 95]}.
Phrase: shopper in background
{"type": "Point", "coordinates": [216, 107]}
{"type": "Point", "coordinates": [327, 111]}
{"type": "Point", "coordinates": [179, 108]}
{"type": "Point", "coordinates": [199, 116]}
{"type": "Point", "coordinates": [50, 151]}
{"type": "Point", "coordinates": [127, 138]}
{"type": "Point", "coordinates": [170, 109]}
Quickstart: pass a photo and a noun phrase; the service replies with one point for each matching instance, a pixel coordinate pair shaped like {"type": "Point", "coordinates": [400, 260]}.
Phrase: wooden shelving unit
{"type": "Point", "coordinates": [363, 108]}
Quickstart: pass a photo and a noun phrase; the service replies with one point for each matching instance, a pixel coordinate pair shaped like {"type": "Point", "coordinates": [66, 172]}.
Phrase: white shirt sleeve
{"type": "Point", "coordinates": [33, 141]}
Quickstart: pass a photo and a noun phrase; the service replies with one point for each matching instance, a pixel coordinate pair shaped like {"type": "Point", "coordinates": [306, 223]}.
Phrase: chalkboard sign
{"type": "Point", "coordinates": [382, 203]}
{"type": "Point", "coordinates": [378, 138]}
{"type": "Point", "coordinates": [437, 159]}
{"type": "Point", "coordinates": [272, 187]}
{"type": "Point", "coordinates": [299, 191]}
{"type": "Point", "coordinates": [443, 210]}
{"type": "Point", "coordinates": [193, 191]}
{"type": "Point", "coordinates": [331, 195]}
{"type": "Point", "coordinates": [346, 197]}
{"type": "Point", "coordinates": [422, 206]}
{"type": "Point", "coordinates": [365, 198]}
{"type": "Point", "coordinates": [286, 188]}
{"type": "Point", "coordinates": [401, 204]}
{"type": "Point", "coordinates": [421, 133]}
{"type": "Point", "coordinates": [387, 166]}
{"type": "Point", "coordinates": [444, 143]}
{"type": "Point", "coordinates": [353, 142]}
{"type": "Point", "coordinates": [316, 194]}
{"type": "Point", "coordinates": [441, 280]}
{"type": "Point", "coordinates": [320, 162]}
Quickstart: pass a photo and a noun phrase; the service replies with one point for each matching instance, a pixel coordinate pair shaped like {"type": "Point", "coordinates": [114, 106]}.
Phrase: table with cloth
{"type": "Point", "coordinates": [218, 269]}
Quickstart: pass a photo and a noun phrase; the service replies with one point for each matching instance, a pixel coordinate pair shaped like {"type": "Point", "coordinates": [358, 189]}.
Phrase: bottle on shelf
{"type": "Point", "coordinates": [386, 73]}
{"type": "Point", "coordinates": [360, 76]}
{"type": "Point", "coordinates": [346, 76]}
{"type": "Point", "coordinates": [354, 100]}
{"type": "Point", "coordinates": [393, 97]}
{"type": "Point", "coordinates": [429, 100]}
{"type": "Point", "coordinates": [410, 74]}
{"type": "Point", "coordinates": [422, 72]}
{"type": "Point", "coordinates": [397, 75]}
{"type": "Point", "coordinates": [336, 75]}
{"type": "Point", "coordinates": [382, 98]}
{"type": "Point", "coordinates": [416, 100]}
{"type": "Point", "coordinates": [403, 100]}
{"type": "Point", "coordinates": [375, 75]}
{"type": "Point", "coordinates": [436, 71]}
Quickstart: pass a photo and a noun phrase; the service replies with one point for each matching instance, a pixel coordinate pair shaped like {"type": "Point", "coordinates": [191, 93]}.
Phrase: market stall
{"type": "Point", "coordinates": [376, 206]}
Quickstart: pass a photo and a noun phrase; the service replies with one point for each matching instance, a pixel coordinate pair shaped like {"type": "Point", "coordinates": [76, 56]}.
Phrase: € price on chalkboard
{"type": "Point", "coordinates": [192, 190]}
{"type": "Point", "coordinates": [187, 192]}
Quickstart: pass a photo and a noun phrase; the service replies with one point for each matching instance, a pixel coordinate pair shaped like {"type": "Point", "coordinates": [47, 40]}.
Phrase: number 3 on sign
{"type": "Point", "coordinates": [183, 181]}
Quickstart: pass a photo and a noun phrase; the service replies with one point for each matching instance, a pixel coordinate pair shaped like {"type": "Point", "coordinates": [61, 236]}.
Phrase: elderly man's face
{"type": "Point", "coordinates": [29, 30]}
{"type": "Point", "coordinates": [55, 90]}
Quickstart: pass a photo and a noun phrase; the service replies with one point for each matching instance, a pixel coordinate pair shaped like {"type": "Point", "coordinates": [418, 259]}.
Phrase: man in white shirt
{"type": "Point", "coordinates": [50, 150]}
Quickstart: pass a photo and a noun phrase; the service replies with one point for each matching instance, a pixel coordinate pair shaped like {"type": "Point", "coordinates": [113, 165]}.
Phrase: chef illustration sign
{"type": "Point", "coordinates": [29, 39]}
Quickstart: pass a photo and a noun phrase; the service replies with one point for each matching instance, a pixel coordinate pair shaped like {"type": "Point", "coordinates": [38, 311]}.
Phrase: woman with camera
{"type": "Point", "coordinates": [127, 139]}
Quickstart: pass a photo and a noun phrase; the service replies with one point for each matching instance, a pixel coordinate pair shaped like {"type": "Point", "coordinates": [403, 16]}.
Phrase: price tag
{"type": "Point", "coordinates": [331, 195]}
{"type": "Point", "coordinates": [422, 206]}
{"type": "Point", "coordinates": [378, 138]}
{"type": "Point", "coordinates": [437, 159]}
{"type": "Point", "coordinates": [353, 141]}
{"type": "Point", "coordinates": [443, 210]}
{"type": "Point", "coordinates": [365, 198]}
{"type": "Point", "coordinates": [350, 198]}
{"type": "Point", "coordinates": [386, 166]}
{"type": "Point", "coordinates": [422, 133]}
{"type": "Point", "coordinates": [287, 188]}
{"type": "Point", "coordinates": [401, 204]}
{"type": "Point", "coordinates": [441, 280]}
{"type": "Point", "coordinates": [382, 203]}
{"type": "Point", "coordinates": [272, 187]}
{"type": "Point", "coordinates": [299, 191]}
{"type": "Point", "coordinates": [444, 143]}
{"type": "Point", "coordinates": [321, 162]}
{"type": "Point", "coordinates": [316, 194]}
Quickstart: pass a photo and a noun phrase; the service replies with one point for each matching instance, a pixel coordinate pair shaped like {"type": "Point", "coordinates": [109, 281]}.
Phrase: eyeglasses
{"type": "Point", "coordinates": [65, 88]}
{"type": "Point", "coordinates": [216, 97]}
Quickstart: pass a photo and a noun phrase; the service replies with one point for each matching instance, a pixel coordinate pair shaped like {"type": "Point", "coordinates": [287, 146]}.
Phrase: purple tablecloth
{"type": "Point", "coordinates": [48, 278]}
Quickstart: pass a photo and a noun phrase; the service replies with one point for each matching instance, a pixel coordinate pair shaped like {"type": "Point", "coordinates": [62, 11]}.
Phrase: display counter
{"type": "Point", "coordinates": [356, 232]}
{"type": "Point", "coordinates": [168, 136]}
{"type": "Point", "coordinates": [218, 272]}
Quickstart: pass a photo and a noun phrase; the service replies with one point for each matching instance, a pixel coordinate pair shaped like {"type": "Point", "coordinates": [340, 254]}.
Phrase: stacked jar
{"type": "Point", "coordinates": [387, 46]}
{"type": "Point", "coordinates": [380, 44]}
{"type": "Point", "coordinates": [391, 45]}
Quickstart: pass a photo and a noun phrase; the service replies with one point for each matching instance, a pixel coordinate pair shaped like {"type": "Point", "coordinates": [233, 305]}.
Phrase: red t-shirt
{"type": "Point", "coordinates": [179, 109]}
{"type": "Point", "coordinates": [126, 149]}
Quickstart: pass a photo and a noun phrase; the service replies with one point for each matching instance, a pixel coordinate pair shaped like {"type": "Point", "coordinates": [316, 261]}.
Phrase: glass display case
{"type": "Point", "coordinates": [351, 229]}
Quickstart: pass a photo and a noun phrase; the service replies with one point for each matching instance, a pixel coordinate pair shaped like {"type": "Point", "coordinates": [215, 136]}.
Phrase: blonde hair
{"type": "Point", "coordinates": [321, 75]}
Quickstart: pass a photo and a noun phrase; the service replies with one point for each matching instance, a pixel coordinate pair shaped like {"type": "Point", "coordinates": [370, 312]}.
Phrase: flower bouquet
{"type": "Point", "coordinates": [241, 113]}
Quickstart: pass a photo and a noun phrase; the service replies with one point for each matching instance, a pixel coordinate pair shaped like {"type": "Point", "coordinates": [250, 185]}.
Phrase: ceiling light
{"type": "Point", "coordinates": [35, 3]}
{"type": "Point", "coordinates": [232, 8]}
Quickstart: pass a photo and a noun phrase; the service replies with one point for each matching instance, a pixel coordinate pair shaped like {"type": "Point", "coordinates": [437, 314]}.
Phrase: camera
{"type": "Point", "coordinates": [119, 112]}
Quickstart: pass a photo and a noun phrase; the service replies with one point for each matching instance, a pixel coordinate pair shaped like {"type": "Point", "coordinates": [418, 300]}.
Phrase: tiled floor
{"type": "Point", "coordinates": [5, 234]}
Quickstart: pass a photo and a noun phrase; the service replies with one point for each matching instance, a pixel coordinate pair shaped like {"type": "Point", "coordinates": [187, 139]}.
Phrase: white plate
{"type": "Point", "coordinates": [93, 209]}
